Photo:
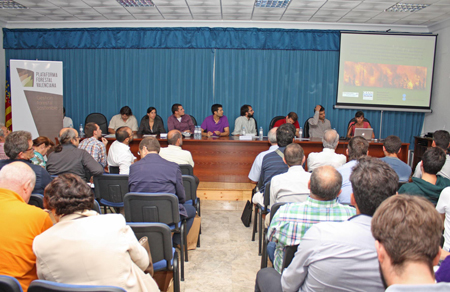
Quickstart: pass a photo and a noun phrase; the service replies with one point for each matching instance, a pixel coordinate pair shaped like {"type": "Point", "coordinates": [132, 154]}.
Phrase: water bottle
{"type": "Point", "coordinates": [243, 131]}
{"type": "Point", "coordinates": [301, 132]}
{"type": "Point", "coordinates": [81, 131]}
{"type": "Point", "coordinates": [197, 132]}
{"type": "Point", "coordinates": [261, 133]}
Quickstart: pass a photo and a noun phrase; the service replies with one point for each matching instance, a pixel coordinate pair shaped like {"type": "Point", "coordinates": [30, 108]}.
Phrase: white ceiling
{"type": "Point", "coordinates": [368, 12]}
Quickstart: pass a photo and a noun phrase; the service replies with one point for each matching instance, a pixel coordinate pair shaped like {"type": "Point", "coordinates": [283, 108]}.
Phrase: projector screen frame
{"type": "Point", "coordinates": [386, 107]}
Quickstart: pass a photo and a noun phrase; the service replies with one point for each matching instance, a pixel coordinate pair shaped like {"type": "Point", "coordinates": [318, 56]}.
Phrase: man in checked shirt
{"type": "Point", "coordinates": [292, 221]}
{"type": "Point", "coordinates": [92, 145]}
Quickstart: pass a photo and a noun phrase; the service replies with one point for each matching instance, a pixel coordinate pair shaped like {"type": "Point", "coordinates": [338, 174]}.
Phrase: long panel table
{"type": "Point", "coordinates": [228, 159]}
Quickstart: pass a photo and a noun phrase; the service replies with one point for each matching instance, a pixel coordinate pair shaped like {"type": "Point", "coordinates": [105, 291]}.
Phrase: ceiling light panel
{"type": "Point", "coordinates": [272, 3]}
{"type": "Point", "coordinates": [10, 4]}
{"type": "Point", "coordinates": [406, 7]}
{"type": "Point", "coordinates": [135, 3]}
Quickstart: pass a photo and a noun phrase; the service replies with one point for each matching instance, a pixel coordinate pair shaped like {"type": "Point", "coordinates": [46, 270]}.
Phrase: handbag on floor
{"type": "Point", "coordinates": [247, 214]}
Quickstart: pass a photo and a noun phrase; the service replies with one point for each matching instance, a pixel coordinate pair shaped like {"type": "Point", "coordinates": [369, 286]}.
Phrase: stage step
{"type": "Point", "coordinates": [225, 191]}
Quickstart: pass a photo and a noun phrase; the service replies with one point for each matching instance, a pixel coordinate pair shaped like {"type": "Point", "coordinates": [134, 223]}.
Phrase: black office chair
{"type": "Point", "coordinates": [99, 119]}
{"type": "Point", "coordinates": [96, 207]}
{"type": "Point", "coordinates": [186, 169]}
{"type": "Point", "coordinates": [273, 211]}
{"type": "Point", "coordinates": [9, 284]}
{"type": "Point", "coordinates": [274, 120]}
{"type": "Point", "coordinates": [114, 169]}
{"type": "Point", "coordinates": [157, 207]}
{"type": "Point", "coordinates": [164, 256]}
{"type": "Point", "coordinates": [306, 128]}
{"type": "Point", "coordinates": [194, 121]}
{"type": "Point", "coordinates": [36, 200]}
{"type": "Point", "coordinates": [263, 211]}
{"type": "Point", "coordinates": [110, 190]}
{"type": "Point", "coordinates": [190, 190]}
{"type": "Point", "coordinates": [289, 253]}
{"type": "Point", "coordinates": [48, 286]}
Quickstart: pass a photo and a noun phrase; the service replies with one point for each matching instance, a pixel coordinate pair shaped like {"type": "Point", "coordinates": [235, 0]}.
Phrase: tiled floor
{"type": "Point", "coordinates": [227, 259]}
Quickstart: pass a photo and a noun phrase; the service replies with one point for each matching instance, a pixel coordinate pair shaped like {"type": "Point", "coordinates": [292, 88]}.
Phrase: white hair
{"type": "Point", "coordinates": [15, 175]}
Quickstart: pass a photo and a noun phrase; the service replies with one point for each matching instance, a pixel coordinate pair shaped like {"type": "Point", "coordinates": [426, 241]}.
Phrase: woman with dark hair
{"type": "Point", "coordinates": [86, 248]}
{"type": "Point", "coordinates": [41, 145]}
{"type": "Point", "coordinates": [150, 124]}
{"type": "Point", "coordinates": [360, 123]}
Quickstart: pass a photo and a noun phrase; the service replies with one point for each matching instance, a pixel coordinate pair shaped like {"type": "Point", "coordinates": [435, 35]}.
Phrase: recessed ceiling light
{"type": "Point", "coordinates": [272, 3]}
{"type": "Point", "coordinates": [10, 4]}
{"type": "Point", "coordinates": [406, 7]}
{"type": "Point", "coordinates": [136, 3]}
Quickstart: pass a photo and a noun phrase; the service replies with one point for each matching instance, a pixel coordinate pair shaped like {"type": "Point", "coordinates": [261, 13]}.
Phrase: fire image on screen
{"type": "Point", "coordinates": [385, 75]}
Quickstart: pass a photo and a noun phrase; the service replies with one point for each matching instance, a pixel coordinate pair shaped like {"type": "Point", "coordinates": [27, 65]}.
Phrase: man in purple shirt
{"type": "Point", "coordinates": [179, 120]}
{"type": "Point", "coordinates": [216, 124]}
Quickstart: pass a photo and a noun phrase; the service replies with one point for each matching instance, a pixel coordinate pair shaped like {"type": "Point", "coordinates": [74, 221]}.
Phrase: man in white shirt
{"type": "Point", "coordinates": [246, 121]}
{"type": "Point", "coordinates": [441, 139]}
{"type": "Point", "coordinates": [330, 141]}
{"type": "Point", "coordinates": [443, 207]}
{"type": "Point", "coordinates": [255, 171]}
{"type": "Point", "coordinates": [291, 186]}
{"type": "Point", "coordinates": [67, 122]}
{"type": "Point", "coordinates": [119, 153]}
{"type": "Point", "coordinates": [124, 119]}
{"type": "Point", "coordinates": [174, 152]}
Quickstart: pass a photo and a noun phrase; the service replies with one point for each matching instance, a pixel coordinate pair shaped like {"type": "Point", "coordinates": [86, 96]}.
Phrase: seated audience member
{"type": "Point", "coordinates": [358, 148]}
{"type": "Point", "coordinates": [443, 272]}
{"type": "Point", "coordinates": [4, 132]}
{"type": "Point", "coordinates": [41, 145]}
{"type": "Point", "coordinates": [124, 119]}
{"type": "Point", "coordinates": [441, 139]}
{"type": "Point", "coordinates": [291, 186]}
{"type": "Point", "coordinates": [443, 207]}
{"type": "Point", "coordinates": [255, 171]}
{"type": "Point", "coordinates": [150, 125]}
{"type": "Point", "coordinates": [291, 118]}
{"type": "Point", "coordinates": [273, 163]}
{"type": "Point", "coordinates": [360, 123]}
{"type": "Point", "coordinates": [408, 231]}
{"type": "Point", "coordinates": [179, 120]}
{"type": "Point", "coordinates": [347, 247]}
{"type": "Point", "coordinates": [430, 185]}
{"type": "Point", "coordinates": [107, 248]}
{"type": "Point", "coordinates": [67, 122]}
{"type": "Point", "coordinates": [391, 147]}
{"type": "Point", "coordinates": [318, 125]}
{"type": "Point", "coordinates": [216, 124]}
{"type": "Point", "coordinates": [119, 152]}
{"type": "Point", "coordinates": [245, 121]}
{"type": "Point", "coordinates": [67, 158]}
{"type": "Point", "coordinates": [92, 144]}
{"type": "Point", "coordinates": [19, 147]}
{"type": "Point", "coordinates": [20, 223]}
{"type": "Point", "coordinates": [291, 221]}
{"type": "Point", "coordinates": [328, 156]}
{"type": "Point", "coordinates": [153, 174]}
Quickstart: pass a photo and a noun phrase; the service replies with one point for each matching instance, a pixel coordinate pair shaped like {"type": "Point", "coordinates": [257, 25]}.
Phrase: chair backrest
{"type": "Point", "coordinates": [267, 195]}
{"type": "Point", "coordinates": [306, 128]}
{"type": "Point", "coordinates": [159, 239]}
{"type": "Point", "coordinates": [111, 187]}
{"type": "Point", "coordinates": [194, 121]}
{"type": "Point", "coordinates": [274, 209]}
{"type": "Point", "coordinates": [96, 207]}
{"type": "Point", "coordinates": [99, 119]}
{"type": "Point", "coordinates": [289, 253]}
{"type": "Point", "coordinates": [36, 200]}
{"type": "Point", "coordinates": [9, 284]}
{"type": "Point", "coordinates": [274, 120]}
{"type": "Point", "coordinates": [114, 169]}
{"type": "Point", "coordinates": [48, 286]}
{"type": "Point", "coordinates": [151, 207]}
{"type": "Point", "coordinates": [186, 169]}
{"type": "Point", "coordinates": [190, 188]}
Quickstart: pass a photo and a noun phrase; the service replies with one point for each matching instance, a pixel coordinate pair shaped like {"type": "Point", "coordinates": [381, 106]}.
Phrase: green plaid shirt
{"type": "Point", "coordinates": [292, 221]}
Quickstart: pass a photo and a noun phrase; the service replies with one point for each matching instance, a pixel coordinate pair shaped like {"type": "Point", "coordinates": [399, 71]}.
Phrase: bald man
{"type": "Point", "coordinates": [328, 156]}
{"type": "Point", "coordinates": [174, 152]}
{"type": "Point", "coordinates": [20, 223]}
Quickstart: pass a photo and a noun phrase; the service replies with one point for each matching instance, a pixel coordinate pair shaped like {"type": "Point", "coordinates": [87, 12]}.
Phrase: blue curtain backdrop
{"type": "Point", "coordinates": [274, 70]}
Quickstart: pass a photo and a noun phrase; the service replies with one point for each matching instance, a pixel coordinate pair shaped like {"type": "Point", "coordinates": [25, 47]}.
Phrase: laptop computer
{"type": "Point", "coordinates": [364, 132]}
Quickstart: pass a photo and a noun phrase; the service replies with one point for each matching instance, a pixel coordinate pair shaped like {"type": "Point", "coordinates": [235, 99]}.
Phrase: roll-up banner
{"type": "Point", "coordinates": [37, 97]}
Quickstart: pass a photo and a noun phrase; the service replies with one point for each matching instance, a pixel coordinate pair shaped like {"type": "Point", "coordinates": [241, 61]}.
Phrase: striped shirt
{"type": "Point", "coordinates": [272, 165]}
{"type": "Point", "coordinates": [292, 221]}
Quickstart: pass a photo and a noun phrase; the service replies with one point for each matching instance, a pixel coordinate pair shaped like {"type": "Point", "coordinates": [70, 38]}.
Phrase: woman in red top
{"type": "Point", "coordinates": [360, 123]}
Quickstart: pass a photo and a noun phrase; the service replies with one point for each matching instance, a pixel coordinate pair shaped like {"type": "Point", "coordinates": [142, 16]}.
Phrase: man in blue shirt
{"type": "Point", "coordinates": [391, 148]}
